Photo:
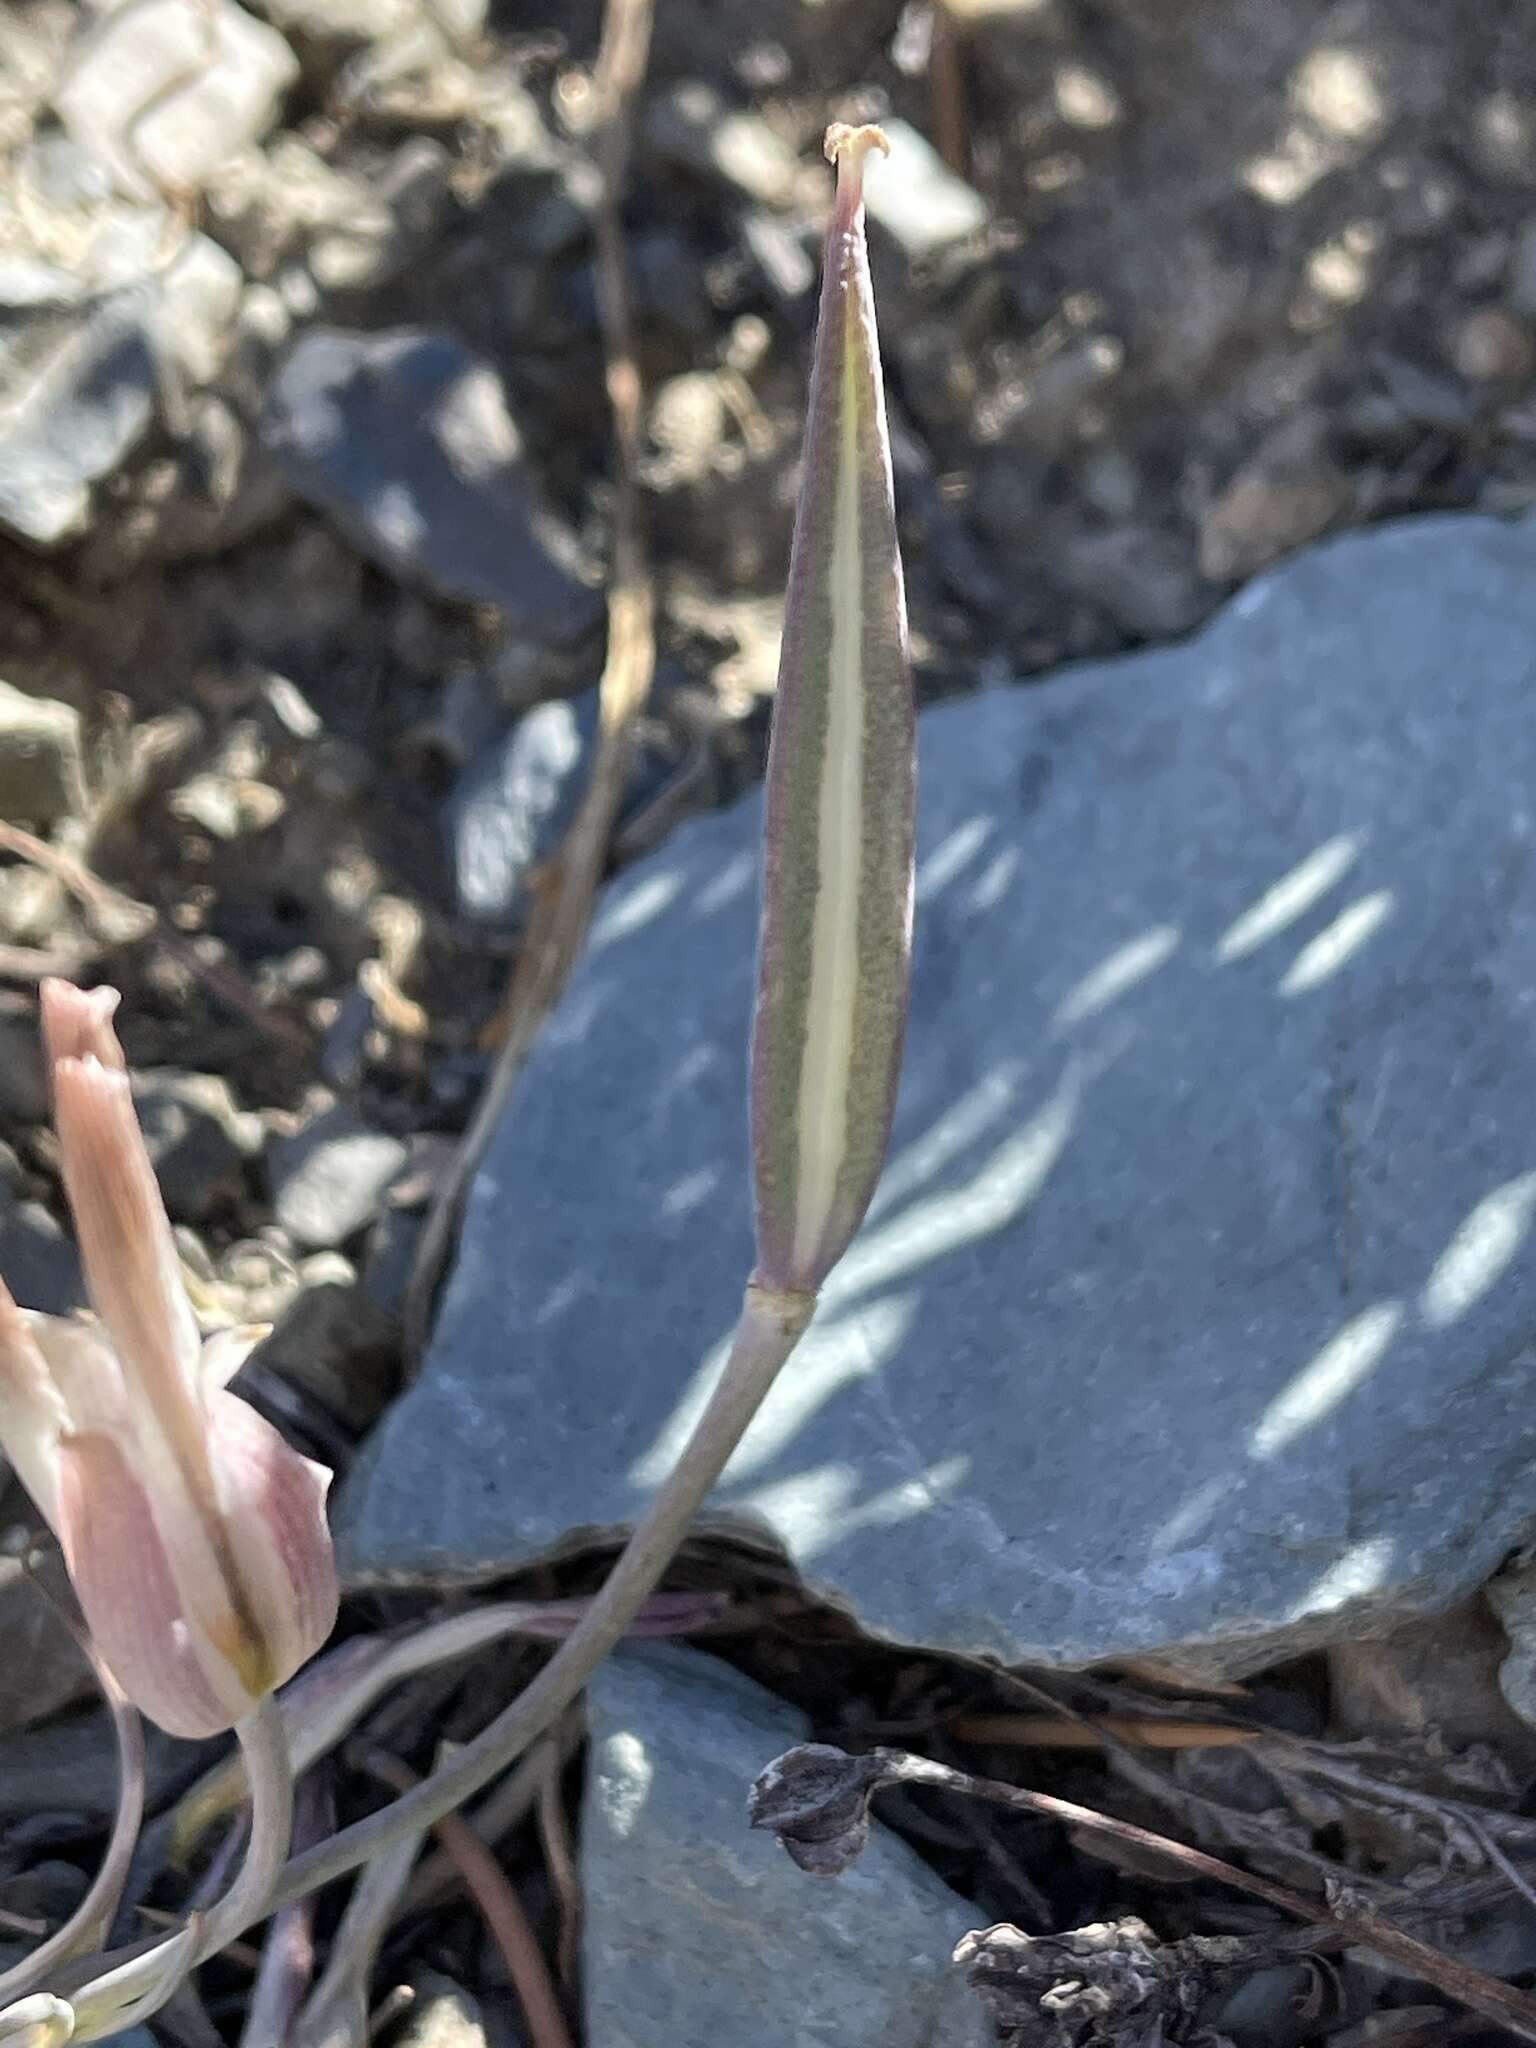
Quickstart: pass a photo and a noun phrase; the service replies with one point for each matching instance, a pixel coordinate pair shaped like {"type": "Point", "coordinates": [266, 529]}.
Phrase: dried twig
{"type": "Point", "coordinates": [1049, 1731]}
{"type": "Point", "coordinates": [125, 918]}
{"type": "Point", "coordinates": [122, 913]}
{"type": "Point", "coordinates": [499, 1905]}
{"type": "Point", "coordinates": [559, 1854]}
{"type": "Point", "coordinates": [817, 1800]}
{"type": "Point", "coordinates": [1124, 1751]}
{"type": "Point", "coordinates": [563, 909]}
{"type": "Point", "coordinates": [31, 964]}
{"type": "Point", "coordinates": [946, 76]}
{"type": "Point", "coordinates": [1281, 1753]}
{"type": "Point", "coordinates": [1484, 1838]}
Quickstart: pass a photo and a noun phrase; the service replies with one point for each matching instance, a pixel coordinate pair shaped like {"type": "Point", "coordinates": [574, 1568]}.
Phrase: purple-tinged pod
{"type": "Point", "coordinates": [837, 884]}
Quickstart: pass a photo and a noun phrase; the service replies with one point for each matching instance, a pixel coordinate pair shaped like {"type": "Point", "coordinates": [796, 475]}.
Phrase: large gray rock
{"type": "Point", "coordinates": [700, 1933]}
{"type": "Point", "coordinates": [1196, 1312]}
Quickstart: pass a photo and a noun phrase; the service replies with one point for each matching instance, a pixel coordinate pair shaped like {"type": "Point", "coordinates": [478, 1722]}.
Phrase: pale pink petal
{"type": "Point", "coordinates": [78, 1021]}
{"type": "Point", "coordinates": [273, 1505]}
{"type": "Point", "coordinates": [32, 1411]}
{"type": "Point", "coordinates": [83, 1368]}
{"type": "Point", "coordinates": [125, 1238]}
{"type": "Point", "coordinates": [135, 1282]}
{"type": "Point", "coordinates": [195, 1536]}
{"type": "Point", "coordinates": [254, 1576]}
{"type": "Point", "coordinates": [132, 1605]}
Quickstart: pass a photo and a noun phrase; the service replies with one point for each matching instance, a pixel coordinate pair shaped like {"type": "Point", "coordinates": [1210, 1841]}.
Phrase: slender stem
{"type": "Point", "coordinates": [115, 1992]}
{"type": "Point", "coordinates": [500, 1811]}
{"type": "Point", "coordinates": [770, 1327]}
{"type": "Point", "coordinates": [286, 1964]}
{"type": "Point", "coordinates": [500, 1908]}
{"type": "Point", "coordinates": [335, 2015]}
{"type": "Point", "coordinates": [269, 1773]}
{"type": "Point", "coordinates": [332, 1694]}
{"type": "Point", "coordinates": [88, 1924]}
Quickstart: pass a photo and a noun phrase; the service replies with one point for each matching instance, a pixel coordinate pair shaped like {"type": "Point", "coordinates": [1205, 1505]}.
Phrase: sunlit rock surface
{"type": "Point", "coordinates": [1197, 1312]}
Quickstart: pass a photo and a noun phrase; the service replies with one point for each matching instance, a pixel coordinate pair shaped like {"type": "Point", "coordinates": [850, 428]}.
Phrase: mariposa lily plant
{"type": "Point", "coordinates": [833, 968]}
{"type": "Point", "coordinates": [195, 1537]}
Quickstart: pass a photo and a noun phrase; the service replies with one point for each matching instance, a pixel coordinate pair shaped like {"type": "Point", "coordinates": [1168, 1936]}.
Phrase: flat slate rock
{"type": "Point", "coordinates": [701, 1933]}
{"type": "Point", "coordinates": [1197, 1312]}
{"type": "Point", "coordinates": [404, 440]}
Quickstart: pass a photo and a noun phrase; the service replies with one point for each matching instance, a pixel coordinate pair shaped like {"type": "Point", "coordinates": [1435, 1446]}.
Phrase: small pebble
{"type": "Point", "coordinates": [41, 774]}
{"type": "Point", "coordinates": [1490, 346]}
{"type": "Point", "coordinates": [329, 1178]}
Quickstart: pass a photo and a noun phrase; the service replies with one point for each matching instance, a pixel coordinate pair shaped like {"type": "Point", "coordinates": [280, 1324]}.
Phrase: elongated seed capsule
{"type": "Point", "coordinates": [837, 884]}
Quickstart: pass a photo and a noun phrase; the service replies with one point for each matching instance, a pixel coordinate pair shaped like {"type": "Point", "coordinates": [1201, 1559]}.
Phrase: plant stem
{"type": "Point", "coordinates": [335, 2015]}
{"type": "Point", "coordinates": [87, 1926]}
{"type": "Point", "coordinates": [500, 1907]}
{"type": "Point", "coordinates": [328, 1698]}
{"type": "Point", "coordinates": [286, 1964]}
{"type": "Point", "coordinates": [770, 1327]}
{"type": "Point", "coordinates": [118, 1991]}
{"type": "Point", "coordinates": [269, 1773]}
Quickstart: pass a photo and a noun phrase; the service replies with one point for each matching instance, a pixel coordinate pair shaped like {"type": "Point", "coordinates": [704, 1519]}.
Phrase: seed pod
{"type": "Point", "coordinates": [837, 889]}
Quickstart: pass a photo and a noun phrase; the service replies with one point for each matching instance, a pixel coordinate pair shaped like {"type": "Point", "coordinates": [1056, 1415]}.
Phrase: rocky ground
{"type": "Point", "coordinates": [1191, 1341]}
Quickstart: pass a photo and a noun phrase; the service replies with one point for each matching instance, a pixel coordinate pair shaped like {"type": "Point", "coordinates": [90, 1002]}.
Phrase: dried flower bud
{"type": "Point", "coordinates": [837, 891]}
{"type": "Point", "coordinates": [195, 1537]}
{"type": "Point", "coordinates": [816, 1800]}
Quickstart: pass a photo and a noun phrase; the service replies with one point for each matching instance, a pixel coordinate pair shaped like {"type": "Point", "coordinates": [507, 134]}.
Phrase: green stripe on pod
{"type": "Point", "coordinates": [837, 887]}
